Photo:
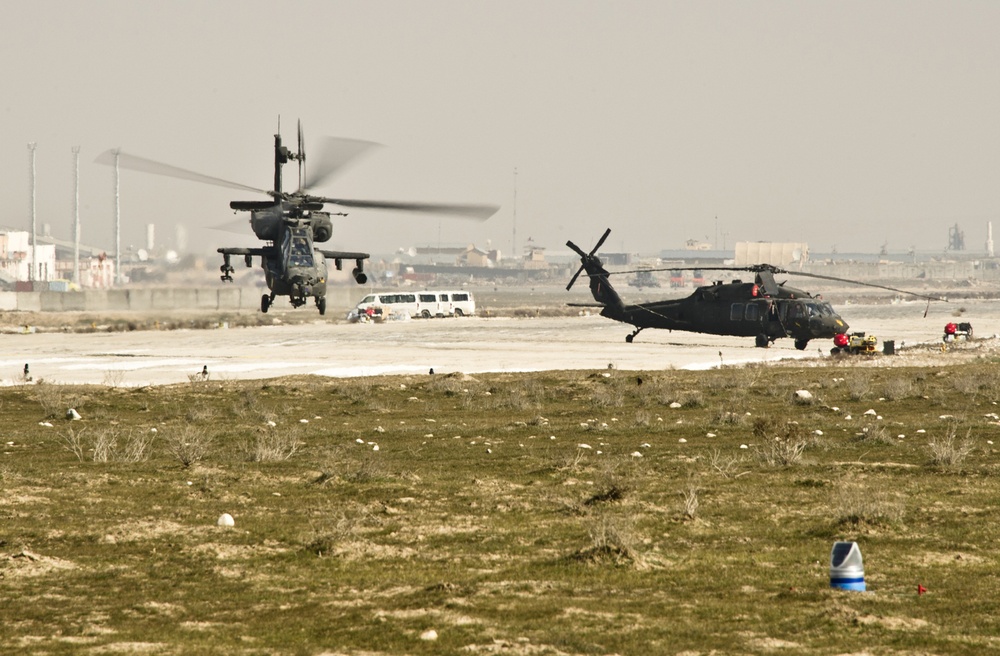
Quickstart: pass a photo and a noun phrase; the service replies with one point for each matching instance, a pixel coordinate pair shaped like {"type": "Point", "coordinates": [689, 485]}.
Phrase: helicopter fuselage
{"type": "Point", "coordinates": [762, 309]}
{"type": "Point", "coordinates": [740, 309]}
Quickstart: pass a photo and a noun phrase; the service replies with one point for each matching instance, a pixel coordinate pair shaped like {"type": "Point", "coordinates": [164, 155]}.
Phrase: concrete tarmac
{"type": "Point", "coordinates": [467, 345]}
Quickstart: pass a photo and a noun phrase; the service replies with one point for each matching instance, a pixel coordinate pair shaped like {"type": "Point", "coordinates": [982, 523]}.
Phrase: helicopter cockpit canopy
{"type": "Point", "coordinates": [296, 247]}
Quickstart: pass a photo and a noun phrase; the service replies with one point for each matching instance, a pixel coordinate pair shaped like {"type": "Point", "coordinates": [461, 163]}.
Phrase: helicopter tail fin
{"type": "Point", "coordinates": [600, 285]}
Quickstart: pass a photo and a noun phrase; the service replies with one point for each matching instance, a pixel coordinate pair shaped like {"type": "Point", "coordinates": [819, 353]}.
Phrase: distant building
{"type": "Point", "coordinates": [15, 258]}
{"type": "Point", "coordinates": [767, 252]}
{"type": "Point", "coordinates": [474, 257]}
{"type": "Point", "coordinates": [534, 257]}
{"type": "Point", "coordinates": [695, 245]}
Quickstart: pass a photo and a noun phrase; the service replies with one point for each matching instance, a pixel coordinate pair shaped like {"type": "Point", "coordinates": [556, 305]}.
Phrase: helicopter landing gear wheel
{"type": "Point", "coordinates": [629, 338]}
{"type": "Point", "coordinates": [321, 305]}
{"type": "Point", "coordinates": [801, 344]}
{"type": "Point", "coordinates": [265, 303]}
{"type": "Point", "coordinates": [763, 341]}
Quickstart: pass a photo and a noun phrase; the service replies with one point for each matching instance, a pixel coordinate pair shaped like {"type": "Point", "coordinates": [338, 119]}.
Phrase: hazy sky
{"type": "Point", "coordinates": [846, 124]}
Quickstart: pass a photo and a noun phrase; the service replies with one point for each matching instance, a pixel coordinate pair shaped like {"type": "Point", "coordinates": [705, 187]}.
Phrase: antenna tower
{"type": "Point", "coordinates": [34, 250]}
{"type": "Point", "coordinates": [76, 214]}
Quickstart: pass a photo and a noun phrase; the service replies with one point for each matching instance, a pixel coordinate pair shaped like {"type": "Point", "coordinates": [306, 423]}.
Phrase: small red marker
{"type": "Point", "coordinates": [920, 589]}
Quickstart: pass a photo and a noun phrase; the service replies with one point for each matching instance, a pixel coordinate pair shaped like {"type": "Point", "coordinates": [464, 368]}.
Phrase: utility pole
{"type": "Point", "coordinates": [76, 214]}
{"type": "Point", "coordinates": [513, 242]}
{"type": "Point", "coordinates": [34, 250]}
{"type": "Point", "coordinates": [118, 224]}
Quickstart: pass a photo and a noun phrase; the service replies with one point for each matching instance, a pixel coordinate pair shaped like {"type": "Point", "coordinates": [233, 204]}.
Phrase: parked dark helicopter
{"type": "Point", "coordinates": [292, 223]}
{"type": "Point", "coordinates": [763, 308]}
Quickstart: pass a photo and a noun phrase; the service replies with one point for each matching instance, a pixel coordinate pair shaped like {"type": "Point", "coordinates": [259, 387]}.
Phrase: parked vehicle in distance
{"type": "Point", "coordinates": [422, 304]}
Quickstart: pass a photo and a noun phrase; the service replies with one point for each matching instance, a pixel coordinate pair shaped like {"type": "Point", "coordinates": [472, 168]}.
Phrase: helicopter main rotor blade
{"type": "Point", "coordinates": [757, 268]}
{"type": "Point", "coordinates": [143, 165]}
{"type": "Point", "coordinates": [477, 212]}
{"type": "Point", "coordinates": [332, 155]}
{"type": "Point", "coordinates": [864, 284]}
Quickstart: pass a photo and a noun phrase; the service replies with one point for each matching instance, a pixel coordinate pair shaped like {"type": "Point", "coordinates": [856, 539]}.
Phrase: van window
{"type": "Point", "coordinates": [407, 298]}
{"type": "Point", "coordinates": [443, 297]}
{"type": "Point", "coordinates": [459, 297]}
{"type": "Point", "coordinates": [427, 298]}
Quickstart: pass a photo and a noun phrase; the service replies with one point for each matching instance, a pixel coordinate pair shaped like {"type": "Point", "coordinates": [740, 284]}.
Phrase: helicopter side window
{"type": "Point", "coordinates": [753, 312]}
{"type": "Point", "coordinates": [736, 312]}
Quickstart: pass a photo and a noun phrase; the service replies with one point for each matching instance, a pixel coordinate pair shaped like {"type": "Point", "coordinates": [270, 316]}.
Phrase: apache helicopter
{"type": "Point", "coordinates": [292, 223]}
{"type": "Point", "coordinates": [764, 308]}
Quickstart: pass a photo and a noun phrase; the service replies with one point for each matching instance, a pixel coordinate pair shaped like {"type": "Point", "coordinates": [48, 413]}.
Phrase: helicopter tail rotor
{"type": "Point", "coordinates": [586, 258]}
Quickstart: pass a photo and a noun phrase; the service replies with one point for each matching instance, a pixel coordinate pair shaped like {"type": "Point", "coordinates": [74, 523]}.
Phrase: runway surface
{"type": "Point", "coordinates": [468, 345]}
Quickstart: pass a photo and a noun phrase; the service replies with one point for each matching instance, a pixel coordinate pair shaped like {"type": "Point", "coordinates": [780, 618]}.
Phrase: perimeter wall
{"type": "Point", "coordinates": [145, 300]}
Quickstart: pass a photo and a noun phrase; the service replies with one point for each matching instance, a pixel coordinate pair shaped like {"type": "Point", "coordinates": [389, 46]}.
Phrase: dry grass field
{"type": "Point", "coordinates": [602, 512]}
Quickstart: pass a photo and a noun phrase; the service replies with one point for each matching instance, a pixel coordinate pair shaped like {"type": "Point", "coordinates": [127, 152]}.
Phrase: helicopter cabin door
{"type": "Point", "coordinates": [773, 323]}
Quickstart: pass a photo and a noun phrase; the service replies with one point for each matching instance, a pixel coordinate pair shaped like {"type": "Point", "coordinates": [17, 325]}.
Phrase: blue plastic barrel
{"type": "Point", "coordinates": [847, 571]}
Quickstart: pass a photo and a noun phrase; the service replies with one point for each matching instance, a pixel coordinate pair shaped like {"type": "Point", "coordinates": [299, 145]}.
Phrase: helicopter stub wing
{"type": "Point", "coordinates": [344, 255]}
{"type": "Point", "coordinates": [241, 251]}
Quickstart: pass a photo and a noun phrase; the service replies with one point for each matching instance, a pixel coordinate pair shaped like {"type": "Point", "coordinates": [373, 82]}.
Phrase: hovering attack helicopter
{"type": "Point", "coordinates": [764, 308]}
{"type": "Point", "coordinates": [292, 223]}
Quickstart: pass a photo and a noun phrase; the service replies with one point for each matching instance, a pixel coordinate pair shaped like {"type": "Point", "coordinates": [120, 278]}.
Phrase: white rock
{"type": "Point", "coordinates": [817, 432]}
{"type": "Point", "coordinates": [271, 424]}
{"type": "Point", "coordinates": [675, 404]}
{"type": "Point", "coordinates": [583, 446]}
{"type": "Point", "coordinates": [709, 434]}
{"type": "Point", "coordinates": [682, 441]}
{"type": "Point", "coordinates": [921, 431]}
{"type": "Point", "coordinates": [359, 441]}
{"type": "Point", "coordinates": [870, 412]}
{"type": "Point", "coordinates": [73, 414]}
{"type": "Point", "coordinates": [375, 448]}
{"type": "Point", "coordinates": [303, 421]}
{"type": "Point", "coordinates": [847, 417]}
{"type": "Point", "coordinates": [379, 429]}
{"type": "Point", "coordinates": [636, 454]}
{"type": "Point", "coordinates": [803, 395]}
{"type": "Point", "coordinates": [429, 634]}
{"type": "Point", "coordinates": [225, 519]}
{"type": "Point", "coordinates": [744, 446]}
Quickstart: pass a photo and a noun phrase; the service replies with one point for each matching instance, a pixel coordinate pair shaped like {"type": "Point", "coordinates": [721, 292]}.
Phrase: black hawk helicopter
{"type": "Point", "coordinates": [292, 224]}
{"type": "Point", "coordinates": [763, 309]}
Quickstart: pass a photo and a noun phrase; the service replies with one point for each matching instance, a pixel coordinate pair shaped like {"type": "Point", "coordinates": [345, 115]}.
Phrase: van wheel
{"type": "Point", "coordinates": [426, 314]}
{"type": "Point", "coordinates": [459, 313]}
